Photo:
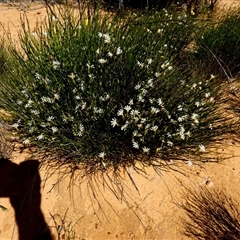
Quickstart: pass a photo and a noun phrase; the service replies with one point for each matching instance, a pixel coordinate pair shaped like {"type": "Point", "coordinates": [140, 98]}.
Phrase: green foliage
{"type": "Point", "coordinates": [103, 89]}
{"type": "Point", "coordinates": [219, 44]}
{"type": "Point", "coordinates": [4, 61]}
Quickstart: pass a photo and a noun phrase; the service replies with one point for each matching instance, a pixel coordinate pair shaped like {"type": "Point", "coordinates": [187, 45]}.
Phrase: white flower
{"type": "Point", "coordinates": [27, 105]}
{"type": "Point", "coordinates": [102, 61]}
{"type": "Point", "coordinates": [109, 54]}
{"type": "Point", "coordinates": [212, 76]}
{"type": "Point", "coordinates": [149, 61]}
{"type": "Point", "coordinates": [180, 119]}
{"type": "Point", "coordinates": [72, 76]}
{"type": "Point", "coordinates": [46, 99]}
{"type": "Point", "coordinates": [101, 155]}
{"type": "Point", "coordinates": [157, 74]}
{"type": "Point", "coordinates": [141, 65]}
{"type": "Point", "coordinates": [158, 149]}
{"type": "Point", "coordinates": [183, 82]}
{"type": "Point", "coordinates": [182, 132]}
{"type": "Point", "coordinates": [26, 141]}
{"type": "Point", "coordinates": [188, 133]}
{"type": "Point", "coordinates": [182, 135]}
{"type": "Point", "coordinates": [74, 90]}
{"type": "Point", "coordinates": [98, 51]}
{"type": "Point", "coordinates": [169, 143]}
{"type": "Point", "coordinates": [54, 129]}
{"type": "Point", "coordinates": [189, 163]}
{"type": "Point", "coordinates": [37, 76]}
{"type": "Point", "coordinates": [195, 118]}
{"type": "Point", "coordinates": [146, 150]}
{"type": "Point", "coordinates": [144, 92]}
{"type": "Point", "coordinates": [164, 65]}
{"type": "Point", "coordinates": [120, 112]}
{"type": "Point", "coordinates": [81, 128]}
{"type": "Point", "coordinates": [169, 135]}
{"type": "Point", "coordinates": [43, 124]}
{"type": "Point", "coordinates": [91, 66]}
{"type": "Point", "coordinates": [15, 125]}
{"type": "Point", "coordinates": [170, 68]}
{"type": "Point", "coordinates": [211, 99]}
{"type": "Point", "coordinates": [114, 122]}
{"type": "Point", "coordinates": [154, 110]}
{"type": "Point", "coordinates": [150, 82]}
{"type": "Point", "coordinates": [154, 128]}
{"type": "Point", "coordinates": [40, 137]}
{"type": "Point", "coordinates": [56, 64]}
{"type": "Point", "coordinates": [19, 102]}
{"type": "Point", "coordinates": [197, 104]}
{"type": "Point", "coordinates": [137, 87]}
{"type": "Point", "coordinates": [36, 112]}
{"type": "Point", "coordinates": [56, 96]}
{"type": "Point", "coordinates": [124, 127]}
{"type": "Point", "coordinates": [143, 120]}
{"type": "Point", "coordinates": [151, 100]}
{"type": "Point", "coordinates": [84, 104]}
{"type": "Point", "coordinates": [194, 85]}
{"type": "Point", "coordinates": [147, 126]}
{"type": "Point", "coordinates": [134, 112]}
{"type": "Point", "coordinates": [100, 34]}
{"type": "Point", "coordinates": [127, 108]}
{"type": "Point", "coordinates": [131, 102]}
{"type": "Point", "coordinates": [135, 133]}
{"type": "Point", "coordinates": [160, 102]}
{"type": "Point", "coordinates": [107, 97]}
{"type": "Point", "coordinates": [99, 110]}
{"type": "Point", "coordinates": [119, 51]}
{"type": "Point", "coordinates": [135, 145]}
{"type": "Point", "coordinates": [207, 94]}
{"type": "Point", "coordinates": [171, 162]}
{"type": "Point", "coordinates": [202, 148]}
{"type": "Point", "coordinates": [54, 18]}
{"type": "Point", "coordinates": [107, 38]}
{"type": "Point", "coordinates": [31, 129]}
{"type": "Point", "coordinates": [140, 98]}
{"type": "Point", "coordinates": [50, 118]}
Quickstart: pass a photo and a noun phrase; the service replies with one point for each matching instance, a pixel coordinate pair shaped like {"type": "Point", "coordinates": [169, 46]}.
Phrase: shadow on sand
{"type": "Point", "coordinates": [21, 183]}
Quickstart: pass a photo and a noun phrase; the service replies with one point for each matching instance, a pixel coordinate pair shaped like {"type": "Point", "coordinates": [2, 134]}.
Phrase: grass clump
{"type": "Point", "coordinates": [103, 90]}
{"type": "Point", "coordinates": [212, 214]}
{"type": "Point", "coordinates": [219, 44]}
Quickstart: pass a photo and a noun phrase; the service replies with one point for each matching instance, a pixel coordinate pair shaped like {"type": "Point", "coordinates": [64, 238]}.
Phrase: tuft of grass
{"type": "Point", "coordinates": [211, 214]}
{"type": "Point", "coordinates": [103, 89]}
{"type": "Point", "coordinates": [218, 47]}
{"type": "Point", "coordinates": [65, 230]}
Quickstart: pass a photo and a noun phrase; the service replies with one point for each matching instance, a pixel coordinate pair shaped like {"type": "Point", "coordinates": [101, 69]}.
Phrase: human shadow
{"type": "Point", "coordinates": [21, 183]}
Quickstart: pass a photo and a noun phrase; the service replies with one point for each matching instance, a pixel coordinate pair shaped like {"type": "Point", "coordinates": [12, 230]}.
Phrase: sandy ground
{"type": "Point", "coordinates": [78, 207]}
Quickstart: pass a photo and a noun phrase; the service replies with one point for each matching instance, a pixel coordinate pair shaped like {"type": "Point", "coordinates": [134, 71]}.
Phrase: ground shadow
{"type": "Point", "coordinates": [21, 183]}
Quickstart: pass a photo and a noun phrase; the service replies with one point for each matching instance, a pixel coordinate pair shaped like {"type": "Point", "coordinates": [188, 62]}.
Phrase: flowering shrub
{"type": "Point", "coordinates": [104, 89]}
